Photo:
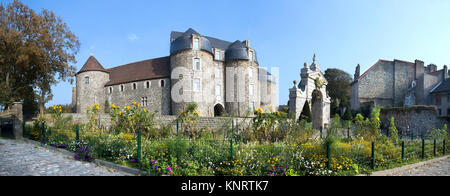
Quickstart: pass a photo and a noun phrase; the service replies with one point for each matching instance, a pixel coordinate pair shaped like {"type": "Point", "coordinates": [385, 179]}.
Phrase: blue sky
{"type": "Point", "coordinates": [285, 34]}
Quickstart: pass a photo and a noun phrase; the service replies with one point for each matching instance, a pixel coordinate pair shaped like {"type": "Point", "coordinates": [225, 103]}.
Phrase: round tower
{"type": "Point", "coordinates": [90, 85]}
{"type": "Point", "coordinates": [192, 69]}
{"type": "Point", "coordinates": [242, 89]}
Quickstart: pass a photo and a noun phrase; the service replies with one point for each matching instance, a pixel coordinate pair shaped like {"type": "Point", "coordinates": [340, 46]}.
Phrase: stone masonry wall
{"type": "Point", "coordinates": [377, 84]}
{"type": "Point", "coordinates": [164, 120]}
{"type": "Point", "coordinates": [419, 118]}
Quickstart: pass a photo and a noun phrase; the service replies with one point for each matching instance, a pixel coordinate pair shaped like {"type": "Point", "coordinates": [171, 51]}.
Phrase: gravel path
{"type": "Point", "coordinates": [440, 168]}
{"type": "Point", "coordinates": [19, 158]}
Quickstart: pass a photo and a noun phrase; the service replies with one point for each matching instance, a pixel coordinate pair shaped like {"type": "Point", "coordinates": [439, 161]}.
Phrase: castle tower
{"type": "Point", "coordinates": [90, 85]}
{"type": "Point", "coordinates": [242, 84]}
{"type": "Point", "coordinates": [192, 69]}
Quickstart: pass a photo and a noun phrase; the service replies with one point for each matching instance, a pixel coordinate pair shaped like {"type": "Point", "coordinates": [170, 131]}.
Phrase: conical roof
{"type": "Point", "coordinates": [92, 65]}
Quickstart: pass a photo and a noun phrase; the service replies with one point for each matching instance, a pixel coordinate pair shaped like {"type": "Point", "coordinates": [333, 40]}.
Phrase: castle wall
{"type": "Point", "coordinates": [157, 96]}
{"type": "Point", "coordinates": [203, 98]}
{"type": "Point", "coordinates": [238, 100]}
{"type": "Point", "coordinates": [92, 93]}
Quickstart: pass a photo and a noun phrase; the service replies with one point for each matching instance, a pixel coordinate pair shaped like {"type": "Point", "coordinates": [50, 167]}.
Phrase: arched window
{"type": "Point", "coordinates": [110, 89]}
{"type": "Point", "coordinates": [134, 86]}
{"type": "Point", "coordinates": [121, 88]}
{"type": "Point", "coordinates": [147, 84]}
{"type": "Point", "coordinates": [162, 83]}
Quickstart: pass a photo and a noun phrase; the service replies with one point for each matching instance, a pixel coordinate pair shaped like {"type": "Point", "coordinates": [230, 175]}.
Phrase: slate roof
{"type": "Point", "coordinates": [142, 70]}
{"type": "Point", "coordinates": [215, 43]}
{"type": "Point", "coordinates": [443, 87]}
{"type": "Point", "coordinates": [92, 65]}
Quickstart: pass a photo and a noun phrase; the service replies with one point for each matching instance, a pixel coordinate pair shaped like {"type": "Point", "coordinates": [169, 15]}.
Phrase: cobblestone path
{"type": "Point", "coordinates": [440, 168]}
{"type": "Point", "coordinates": [19, 158]}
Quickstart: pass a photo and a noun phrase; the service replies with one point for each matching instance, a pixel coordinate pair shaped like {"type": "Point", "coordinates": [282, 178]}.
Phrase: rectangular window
{"type": "Point", "coordinates": [218, 72]}
{"type": "Point", "coordinates": [134, 85]}
{"type": "Point", "coordinates": [144, 101]}
{"type": "Point", "coordinates": [110, 90]}
{"type": "Point", "coordinates": [86, 80]}
{"type": "Point", "coordinates": [250, 55]}
{"type": "Point", "coordinates": [121, 88]}
{"type": "Point", "coordinates": [218, 91]}
{"type": "Point", "coordinates": [250, 73]}
{"type": "Point", "coordinates": [196, 44]}
{"type": "Point", "coordinates": [251, 106]}
{"type": "Point", "coordinates": [250, 90]}
{"type": "Point", "coordinates": [217, 55]}
{"type": "Point", "coordinates": [197, 64]}
{"type": "Point", "coordinates": [196, 84]}
{"type": "Point", "coordinates": [147, 84]}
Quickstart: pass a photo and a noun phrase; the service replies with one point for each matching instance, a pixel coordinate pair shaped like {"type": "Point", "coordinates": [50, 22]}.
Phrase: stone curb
{"type": "Point", "coordinates": [128, 170]}
{"type": "Point", "coordinates": [406, 167]}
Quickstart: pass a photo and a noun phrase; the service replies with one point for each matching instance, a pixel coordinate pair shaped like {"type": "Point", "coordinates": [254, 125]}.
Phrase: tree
{"type": "Point", "coordinates": [36, 50]}
{"type": "Point", "coordinates": [338, 88]}
{"type": "Point", "coordinates": [306, 113]}
{"type": "Point", "coordinates": [347, 114]}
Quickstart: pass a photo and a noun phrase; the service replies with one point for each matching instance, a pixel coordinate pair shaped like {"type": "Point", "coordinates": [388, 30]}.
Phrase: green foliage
{"type": "Point", "coordinates": [306, 113]}
{"type": "Point", "coordinates": [438, 134]}
{"type": "Point", "coordinates": [393, 132]}
{"type": "Point", "coordinates": [338, 88]}
{"type": "Point", "coordinates": [347, 115]}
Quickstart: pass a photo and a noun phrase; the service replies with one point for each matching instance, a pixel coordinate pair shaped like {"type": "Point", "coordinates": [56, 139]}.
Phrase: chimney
{"type": "Point", "coordinates": [445, 72]}
{"type": "Point", "coordinates": [357, 72]}
{"type": "Point", "coordinates": [247, 43]}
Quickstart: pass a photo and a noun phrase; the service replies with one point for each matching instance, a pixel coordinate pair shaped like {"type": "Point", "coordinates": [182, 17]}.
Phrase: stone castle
{"type": "Point", "coordinates": [397, 83]}
{"type": "Point", "coordinates": [217, 75]}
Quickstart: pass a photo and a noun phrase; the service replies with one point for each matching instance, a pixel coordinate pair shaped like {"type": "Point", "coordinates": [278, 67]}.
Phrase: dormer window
{"type": "Point", "coordinates": [217, 55]}
{"type": "Point", "coordinates": [196, 44]}
{"type": "Point", "coordinates": [250, 55]}
{"type": "Point", "coordinates": [196, 65]}
{"type": "Point", "coordinates": [86, 80]}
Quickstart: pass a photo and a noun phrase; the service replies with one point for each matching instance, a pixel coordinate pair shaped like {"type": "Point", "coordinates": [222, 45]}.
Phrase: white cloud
{"type": "Point", "coordinates": [133, 37]}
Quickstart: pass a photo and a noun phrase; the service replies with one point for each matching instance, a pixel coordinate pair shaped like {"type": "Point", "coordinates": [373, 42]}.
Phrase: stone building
{"type": "Point", "coordinates": [396, 83]}
{"type": "Point", "coordinates": [217, 75]}
{"type": "Point", "coordinates": [312, 88]}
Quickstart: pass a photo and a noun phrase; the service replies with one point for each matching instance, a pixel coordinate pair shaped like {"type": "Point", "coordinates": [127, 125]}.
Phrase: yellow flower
{"type": "Point", "coordinates": [120, 113]}
{"type": "Point", "coordinates": [89, 107]}
{"type": "Point", "coordinates": [260, 110]}
{"type": "Point", "coordinates": [97, 107]}
{"type": "Point", "coordinates": [278, 113]}
{"type": "Point", "coordinates": [145, 110]}
{"type": "Point", "coordinates": [114, 106]}
{"type": "Point", "coordinates": [182, 112]}
{"type": "Point", "coordinates": [138, 105]}
{"type": "Point", "coordinates": [134, 102]}
{"type": "Point", "coordinates": [60, 110]}
{"type": "Point", "coordinates": [196, 113]}
{"type": "Point", "coordinates": [128, 107]}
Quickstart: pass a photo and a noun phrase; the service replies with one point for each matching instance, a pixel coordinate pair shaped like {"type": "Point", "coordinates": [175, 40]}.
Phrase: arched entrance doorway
{"type": "Point", "coordinates": [218, 110]}
{"type": "Point", "coordinates": [317, 109]}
